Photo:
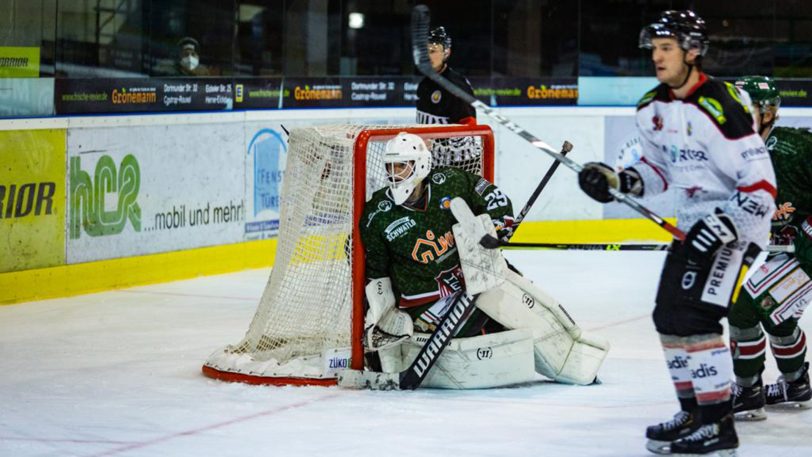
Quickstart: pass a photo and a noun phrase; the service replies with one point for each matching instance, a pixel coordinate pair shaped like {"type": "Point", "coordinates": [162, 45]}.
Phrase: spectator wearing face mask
{"type": "Point", "coordinates": [189, 58]}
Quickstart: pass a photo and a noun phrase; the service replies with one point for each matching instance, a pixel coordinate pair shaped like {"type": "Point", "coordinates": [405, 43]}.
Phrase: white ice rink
{"type": "Point", "coordinates": [118, 374]}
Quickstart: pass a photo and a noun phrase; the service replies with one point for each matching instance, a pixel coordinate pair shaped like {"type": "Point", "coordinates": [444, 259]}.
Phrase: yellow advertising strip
{"type": "Point", "coordinates": [19, 62]}
{"type": "Point", "coordinates": [104, 275]}
{"type": "Point", "coordinates": [32, 199]}
{"type": "Point", "coordinates": [592, 231]}
{"type": "Point", "coordinates": [134, 271]}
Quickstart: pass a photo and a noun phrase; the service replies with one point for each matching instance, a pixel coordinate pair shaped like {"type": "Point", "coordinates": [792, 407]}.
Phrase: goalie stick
{"type": "Point", "coordinates": [420, 33]}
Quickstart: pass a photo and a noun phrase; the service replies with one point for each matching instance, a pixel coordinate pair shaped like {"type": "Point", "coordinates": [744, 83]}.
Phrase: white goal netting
{"type": "Point", "coordinates": [304, 331]}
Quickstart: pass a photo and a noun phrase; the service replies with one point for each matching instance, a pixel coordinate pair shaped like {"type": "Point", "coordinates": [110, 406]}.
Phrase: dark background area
{"type": "Point", "coordinates": [491, 38]}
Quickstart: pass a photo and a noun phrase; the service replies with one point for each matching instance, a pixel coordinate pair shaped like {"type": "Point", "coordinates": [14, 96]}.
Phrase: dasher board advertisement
{"type": "Point", "coordinates": [32, 199]}
{"type": "Point", "coordinates": [147, 189]}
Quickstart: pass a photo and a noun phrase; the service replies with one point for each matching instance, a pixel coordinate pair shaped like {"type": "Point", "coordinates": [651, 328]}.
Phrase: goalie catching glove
{"type": "Point", "coordinates": [596, 178]}
{"type": "Point", "coordinates": [708, 235]}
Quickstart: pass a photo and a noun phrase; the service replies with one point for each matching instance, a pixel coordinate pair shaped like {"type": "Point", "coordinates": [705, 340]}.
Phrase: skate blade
{"type": "Point", "coordinates": [659, 447]}
{"type": "Point", "coordinates": [719, 453]}
{"type": "Point", "coordinates": [791, 405]}
{"type": "Point", "coordinates": [752, 415]}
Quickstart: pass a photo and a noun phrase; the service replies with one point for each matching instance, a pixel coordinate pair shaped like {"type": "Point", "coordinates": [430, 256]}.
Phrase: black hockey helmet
{"type": "Point", "coordinates": [440, 36]}
{"type": "Point", "coordinates": [688, 29]}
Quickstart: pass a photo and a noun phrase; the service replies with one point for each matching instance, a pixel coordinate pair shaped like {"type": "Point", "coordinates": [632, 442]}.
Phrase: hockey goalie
{"type": "Point", "coordinates": [423, 256]}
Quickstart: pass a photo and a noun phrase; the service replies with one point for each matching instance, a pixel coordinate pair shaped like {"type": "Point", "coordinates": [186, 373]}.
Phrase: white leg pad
{"type": "Point", "coordinates": [561, 352]}
{"type": "Point", "coordinates": [493, 360]}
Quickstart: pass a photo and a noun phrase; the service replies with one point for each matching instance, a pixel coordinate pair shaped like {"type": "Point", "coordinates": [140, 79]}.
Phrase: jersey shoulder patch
{"type": "Point", "coordinates": [722, 103]}
{"type": "Point", "coordinates": [658, 93]}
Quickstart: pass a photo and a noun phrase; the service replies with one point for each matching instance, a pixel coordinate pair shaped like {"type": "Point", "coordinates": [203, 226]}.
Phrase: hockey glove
{"type": "Point", "coordinates": [708, 235]}
{"type": "Point", "coordinates": [596, 178]}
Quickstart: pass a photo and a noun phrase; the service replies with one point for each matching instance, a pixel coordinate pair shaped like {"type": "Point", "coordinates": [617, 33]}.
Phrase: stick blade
{"type": "Point", "coordinates": [421, 18]}
{"type": "Point", "coordinates": [372, 380]}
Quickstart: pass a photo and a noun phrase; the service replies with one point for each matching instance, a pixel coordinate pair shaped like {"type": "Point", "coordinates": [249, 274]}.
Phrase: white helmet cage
{"type": "Point", "coordinates": [410, 150]}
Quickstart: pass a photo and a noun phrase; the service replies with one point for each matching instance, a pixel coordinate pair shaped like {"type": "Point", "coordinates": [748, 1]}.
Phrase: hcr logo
{"type": "Point", "coordinates": [88, 197]}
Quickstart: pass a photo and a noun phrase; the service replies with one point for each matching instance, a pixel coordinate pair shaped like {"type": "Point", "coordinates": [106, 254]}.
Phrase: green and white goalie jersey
{"type": "Point", "coordinates": [415, 246]}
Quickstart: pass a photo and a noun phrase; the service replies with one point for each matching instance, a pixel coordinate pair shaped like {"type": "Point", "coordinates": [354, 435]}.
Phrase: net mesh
{"type": "Point", "coordinates": [304, 318]}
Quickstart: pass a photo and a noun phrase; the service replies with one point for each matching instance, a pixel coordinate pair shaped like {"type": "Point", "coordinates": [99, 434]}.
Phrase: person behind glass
{"type": "Point", "coordinates": [189, 58]}
{"type": "Point", "coordinates": [436, 105]}
{"type": "Point", "coordinates": [698, 137]}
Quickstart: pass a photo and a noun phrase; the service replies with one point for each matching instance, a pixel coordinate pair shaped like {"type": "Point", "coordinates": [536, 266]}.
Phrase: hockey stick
{"type": "Point", "coordinates": [489, 242]}
{"type": "Point", "coordinates": [420, 33]}
{"type": "Point", "coordinates": [412, 377]}
{"type": "Point", "coordinates": [615, 247]}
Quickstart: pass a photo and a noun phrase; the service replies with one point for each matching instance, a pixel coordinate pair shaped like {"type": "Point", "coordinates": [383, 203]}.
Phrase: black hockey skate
{"type": "Point", "coordinates": [795, 394]}
{"type": "Point", "coordinates": [661, 436]}
{"type": "Point", "coordinates": [716, 439]}
{"type": "Point", "coordinates": [748, 402]}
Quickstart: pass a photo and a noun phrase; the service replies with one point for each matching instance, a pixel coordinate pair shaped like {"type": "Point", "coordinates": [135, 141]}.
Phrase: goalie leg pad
{"type": "Point", "coordinates": [492, 360]}
{"type": "Point", "coordinates": [561, 352]}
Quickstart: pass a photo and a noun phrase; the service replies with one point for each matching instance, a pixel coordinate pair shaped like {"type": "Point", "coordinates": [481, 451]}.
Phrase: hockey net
{"type": "Point", "coordinates": [309, 322]}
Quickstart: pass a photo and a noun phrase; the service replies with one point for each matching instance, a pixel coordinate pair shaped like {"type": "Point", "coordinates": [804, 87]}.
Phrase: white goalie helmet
{"type": "Point", "coordinates": [407, 161]}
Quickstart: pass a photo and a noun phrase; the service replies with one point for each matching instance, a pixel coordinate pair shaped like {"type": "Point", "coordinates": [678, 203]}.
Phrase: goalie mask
{"type": "Point", "coordinates": [407, 162]}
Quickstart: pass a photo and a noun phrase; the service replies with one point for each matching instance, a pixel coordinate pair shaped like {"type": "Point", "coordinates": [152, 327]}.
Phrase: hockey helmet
{"type": "Point", "coordinates": [411, 153]}
{"type": "Point", "coordinates": [441, 37]}
{"type": "Point", "coordinates": [762, 90]}
{"type": "Point", "coordinates": [685, 26]}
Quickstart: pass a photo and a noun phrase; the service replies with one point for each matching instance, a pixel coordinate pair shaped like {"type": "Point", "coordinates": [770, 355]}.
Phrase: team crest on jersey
{"type": "Point", "coordinates": [436, 96]}
{"type": "Point", "coordinates": [771, 142]}
{"type": "Point", "coordinates": [399, 228]}
{"type": "Point", "coordinates": [445, 203]}
{"type": "Point", "coordinates": [438, 178]}
{"type": "Point", "coordinates": [450, 281]}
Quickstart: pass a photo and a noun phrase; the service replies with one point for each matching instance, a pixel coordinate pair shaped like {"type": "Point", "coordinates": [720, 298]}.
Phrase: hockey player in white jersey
{"type": "Point", "coordinates": [697, 136]}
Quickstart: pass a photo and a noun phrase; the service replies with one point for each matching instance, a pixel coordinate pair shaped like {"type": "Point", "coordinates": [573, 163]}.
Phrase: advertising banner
{"type": "Point", "coordinates": [265, 158]}
{"type": "Point", "coordinates": [32, 199]}
{"type": "Point", "coordinates": [348, 92]}
{"type": "Point", "coordinates": [83, 96]}
{"type": "Point", "coordinates": [146, 189]}
{"type": "Point", "coordinates": [19, 62]}
{"type": "Point", "coordinates": [795, 92]}
{"type": "Point", "coordinates": [526, 91]}
{"type": "Point", "coordinates": [380, 91]}
{"type": "Point", "coordinates": [259, 93]}
{"type": "Point", "coordinates": [26, 97]}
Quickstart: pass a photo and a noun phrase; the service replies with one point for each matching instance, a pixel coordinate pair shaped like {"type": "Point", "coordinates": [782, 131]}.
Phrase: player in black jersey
{"type": "Point", "coordinates": [436, 105]}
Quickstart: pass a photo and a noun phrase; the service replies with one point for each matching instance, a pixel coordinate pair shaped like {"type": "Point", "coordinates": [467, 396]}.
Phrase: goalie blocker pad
{"type": "Point", "coordinates": [483, 269]}
{"type": "Point", "coordinates": [561, 352]}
